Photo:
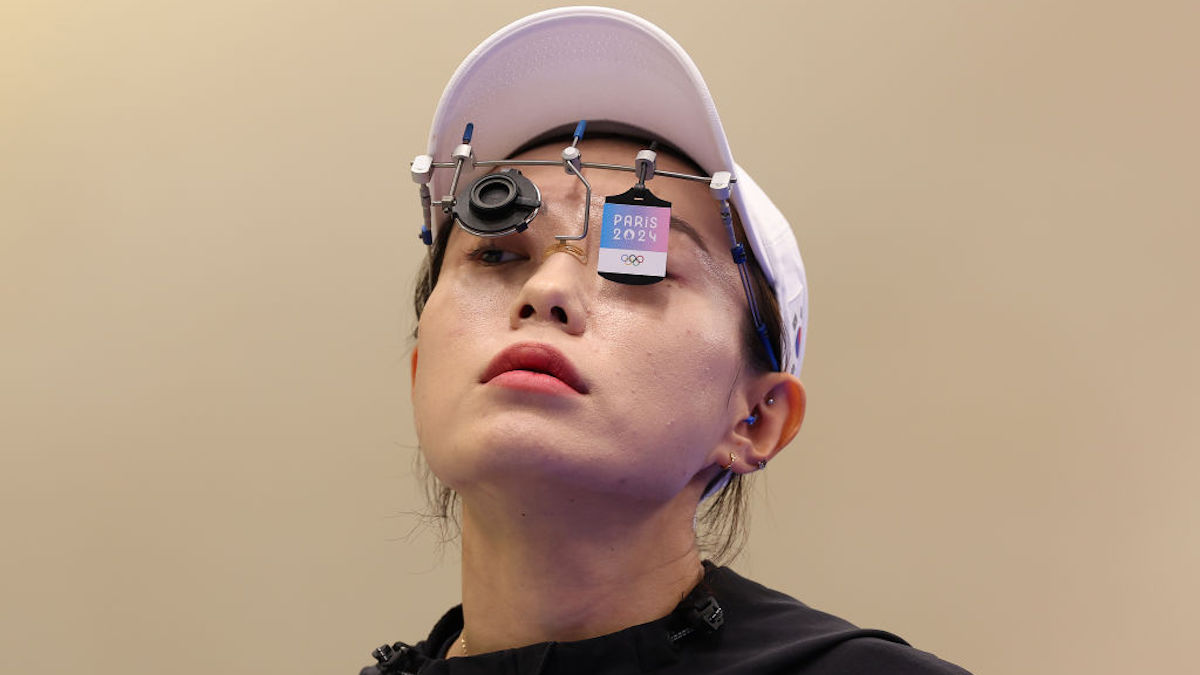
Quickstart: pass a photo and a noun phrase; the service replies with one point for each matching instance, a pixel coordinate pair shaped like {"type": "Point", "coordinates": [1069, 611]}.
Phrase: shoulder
{"type": "Point", "coordinates": [750, 605]}
{"type": "Point", "coordinates": [780, 634]}
{"type": "Point", "coordinates": [871, 655]}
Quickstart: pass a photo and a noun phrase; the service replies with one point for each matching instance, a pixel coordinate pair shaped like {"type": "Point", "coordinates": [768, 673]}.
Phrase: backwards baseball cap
{"type": "Point", "coordinates": [563, 65]}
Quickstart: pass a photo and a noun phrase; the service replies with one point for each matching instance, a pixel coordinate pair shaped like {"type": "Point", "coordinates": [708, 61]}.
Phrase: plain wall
{"type": "Point", "coordinates": [207, 246]}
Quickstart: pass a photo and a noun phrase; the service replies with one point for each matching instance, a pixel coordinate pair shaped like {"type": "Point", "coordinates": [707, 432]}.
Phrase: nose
{"type": "Point", "coordinates": [554, 294]}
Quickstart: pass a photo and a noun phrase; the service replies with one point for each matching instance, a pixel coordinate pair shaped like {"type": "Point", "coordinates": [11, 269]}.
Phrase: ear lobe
{"type": "Point", "coordinates": [413, 381]}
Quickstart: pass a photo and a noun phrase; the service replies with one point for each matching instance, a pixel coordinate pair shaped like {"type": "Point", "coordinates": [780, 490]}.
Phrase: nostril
{"type": "Point", "coordinates": [526, 311]}
{"type": "Point", "coordinates": [558, 313]}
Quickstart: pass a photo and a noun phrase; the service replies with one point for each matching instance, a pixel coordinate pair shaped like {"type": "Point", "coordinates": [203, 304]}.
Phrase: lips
{"type": "Point", "coordinates": [530, 359]}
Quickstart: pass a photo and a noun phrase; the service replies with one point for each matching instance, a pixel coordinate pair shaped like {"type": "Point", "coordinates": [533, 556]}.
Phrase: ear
{"type": "Point", "coordinates": [413, 381]}
{"type": "Point", "coordinates": [775, 406]}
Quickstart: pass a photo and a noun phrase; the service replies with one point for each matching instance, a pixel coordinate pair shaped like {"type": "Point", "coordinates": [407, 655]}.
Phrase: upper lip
{"type": "Point", "coordinates": [538, 357]}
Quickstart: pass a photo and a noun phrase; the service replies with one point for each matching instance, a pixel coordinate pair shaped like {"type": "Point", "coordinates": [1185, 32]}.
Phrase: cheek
{"type": "Point", "coordinates": [458, 307]}
{"type": "Point", "coordinates": [459, 311]}
{"type": "Point", "coordinates": [451, 341]}
{"type": "Point", "coordinates": [701, 365]}
{"type": "Point", "coordinates": [675, 388]}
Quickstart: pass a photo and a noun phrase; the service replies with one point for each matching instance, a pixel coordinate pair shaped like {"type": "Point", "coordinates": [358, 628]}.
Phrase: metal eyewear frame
{"type": "Point", "coordinates": [720, 187]}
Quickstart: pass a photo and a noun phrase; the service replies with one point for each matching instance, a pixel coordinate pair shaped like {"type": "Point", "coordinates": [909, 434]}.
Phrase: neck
{"type": "Point", "coordinates": [541, 572]}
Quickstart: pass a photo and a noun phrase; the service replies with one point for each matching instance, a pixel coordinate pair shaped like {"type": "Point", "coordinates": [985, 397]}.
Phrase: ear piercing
{"type": "Point", "coordinates": [762, 463]}
{"type": "Point", "coordinates": [751, 420]}
{"type": "Point", "coordinates": [754, 416]}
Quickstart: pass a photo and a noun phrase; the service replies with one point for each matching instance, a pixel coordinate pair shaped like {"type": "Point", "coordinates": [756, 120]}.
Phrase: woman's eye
{"type": "Point", "coordinates": [493, 256]}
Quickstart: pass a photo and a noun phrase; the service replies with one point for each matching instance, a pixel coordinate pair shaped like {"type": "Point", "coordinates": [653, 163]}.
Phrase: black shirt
{"type": "Point", "coordinates": [728, 624]}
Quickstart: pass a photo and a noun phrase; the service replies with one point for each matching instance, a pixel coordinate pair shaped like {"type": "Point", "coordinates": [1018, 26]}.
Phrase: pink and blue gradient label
{"type": "Point", "coordinates": [633, 239]}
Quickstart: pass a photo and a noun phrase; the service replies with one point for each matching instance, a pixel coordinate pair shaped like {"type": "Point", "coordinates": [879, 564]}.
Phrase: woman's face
{"type": "Point", "coordinates": [656, 368]}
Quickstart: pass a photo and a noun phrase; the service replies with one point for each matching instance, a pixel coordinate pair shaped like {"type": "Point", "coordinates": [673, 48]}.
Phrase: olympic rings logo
{"type": "Point", "coordinates": [633, 259]}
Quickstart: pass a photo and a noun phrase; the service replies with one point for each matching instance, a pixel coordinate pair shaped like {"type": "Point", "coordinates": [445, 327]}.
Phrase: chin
{"type": "Point", "coordinates": [552, 463]}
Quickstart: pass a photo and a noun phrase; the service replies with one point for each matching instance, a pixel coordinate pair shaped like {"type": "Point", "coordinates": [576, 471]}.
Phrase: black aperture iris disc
{"type": "Point", "coordinates": [493, 194]}
{"type": "Point", "coordinates": [497, 204]}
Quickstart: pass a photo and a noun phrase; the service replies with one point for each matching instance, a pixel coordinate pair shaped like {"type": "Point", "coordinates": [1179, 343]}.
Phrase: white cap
{"type": "Point", "coordinates": [557, 67]}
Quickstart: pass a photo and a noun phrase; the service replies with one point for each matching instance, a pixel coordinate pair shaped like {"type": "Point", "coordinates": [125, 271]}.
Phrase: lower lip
{"type": "Point", "coordinates": [529, 380]}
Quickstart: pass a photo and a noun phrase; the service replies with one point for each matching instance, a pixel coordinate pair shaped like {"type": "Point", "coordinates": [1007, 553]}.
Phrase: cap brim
{"type": "Point", "coordinates": [557, 67]}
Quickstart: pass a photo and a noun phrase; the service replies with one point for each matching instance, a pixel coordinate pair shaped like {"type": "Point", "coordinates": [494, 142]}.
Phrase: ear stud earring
{"type": "Point", "coordinates": [770, 400]}
{"type": "Point", "coordinates": [732, 459]}
{"type": "Point", "coordinates": [762, 464]}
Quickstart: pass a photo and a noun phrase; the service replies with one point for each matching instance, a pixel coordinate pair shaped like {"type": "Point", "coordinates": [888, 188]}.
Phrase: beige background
{"type": "Point", "coordinates": [207, 242]}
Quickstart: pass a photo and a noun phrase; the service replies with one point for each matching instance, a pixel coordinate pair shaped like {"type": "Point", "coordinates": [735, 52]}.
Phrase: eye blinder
{"type": "Point", "coordinates": [497, 204]}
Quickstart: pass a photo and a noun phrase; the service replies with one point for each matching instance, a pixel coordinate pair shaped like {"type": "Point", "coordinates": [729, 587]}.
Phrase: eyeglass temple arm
{"type": "Point", "coordinates": [720, 189]}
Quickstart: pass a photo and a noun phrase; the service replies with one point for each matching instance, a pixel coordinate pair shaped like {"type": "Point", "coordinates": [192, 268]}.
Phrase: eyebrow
{"type": "Point", "coordinates": [686, 227]}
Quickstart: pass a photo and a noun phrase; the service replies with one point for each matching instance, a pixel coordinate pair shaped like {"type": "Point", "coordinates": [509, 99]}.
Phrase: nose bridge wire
{"type": "Point", "coordinates": [587, 206]}
{"type": "Point", "coordinates": [572, 161]}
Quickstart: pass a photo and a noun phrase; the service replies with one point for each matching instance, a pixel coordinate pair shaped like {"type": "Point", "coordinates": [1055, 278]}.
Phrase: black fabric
{"type": "Point", "coordinates": [757, 630]}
